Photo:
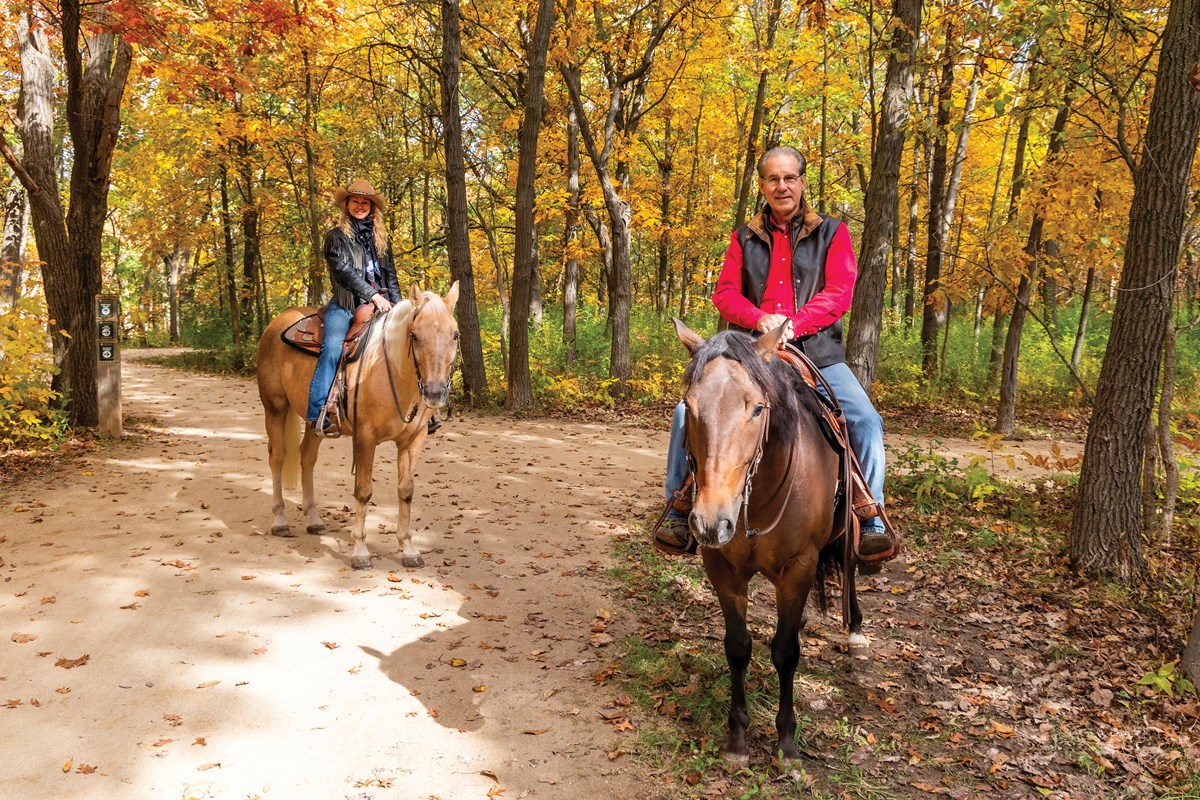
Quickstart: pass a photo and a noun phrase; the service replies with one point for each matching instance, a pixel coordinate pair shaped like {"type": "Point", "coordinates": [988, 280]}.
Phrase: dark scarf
{"type": "Point", "coordinates": [364, 234]}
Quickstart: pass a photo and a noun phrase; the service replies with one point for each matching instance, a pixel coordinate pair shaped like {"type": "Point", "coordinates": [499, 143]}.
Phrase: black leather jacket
{"type": "Point", "coordinates": [347, 262]}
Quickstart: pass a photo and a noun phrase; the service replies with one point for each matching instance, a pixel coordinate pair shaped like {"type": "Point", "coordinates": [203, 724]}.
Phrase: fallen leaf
{"type": "Point", "coordinates": [71, 663]}
{"type": "Point", "coordinates": [85, 769]}
{"type": "Point", "coordinates": [249, 577]}
{"type": "Point", "coordinates": [200, 740]}
{"type": "Point", "coordinates": [142, 593]}
{"type": "Point", "coordinates": [487, 773]}
{"type": "Point", "coordinates": [480, 688]}
{"type": "Point", "coordinates": [63, 690]}
{"type": "Point", "coordinates": [12, 704]}
{"type": "Point", "coordinates": [496, 791]}
{"type": "Point", "coordinates": [67, 766]}
{"type": "Point", "coordinates": [331, 645]}
{"type": "Point", "coordinates": [457, 662]}
{"type": "Point", "coordinates": [49, 600]}
{"type": "Point", "coordinates": [207, 684]}
{"type": "Point", "coordinates": [174, 719]}
{"type": "Point", "coordinates": [129, 607]}
{"type": "Point", "coordinates": [536, 731]}
{"type": "Point", "coordinates": [208, 766]}
{"type": "Point", "coordinates": [23, 638]}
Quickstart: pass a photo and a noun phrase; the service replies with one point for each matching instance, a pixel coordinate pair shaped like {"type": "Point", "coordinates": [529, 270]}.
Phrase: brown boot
{"type": "Point", "coordinates": [873, 542]}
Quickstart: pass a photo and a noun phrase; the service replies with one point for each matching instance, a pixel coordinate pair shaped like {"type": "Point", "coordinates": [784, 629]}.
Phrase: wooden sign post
{"type": "Point", "coordinates": [108, 367]}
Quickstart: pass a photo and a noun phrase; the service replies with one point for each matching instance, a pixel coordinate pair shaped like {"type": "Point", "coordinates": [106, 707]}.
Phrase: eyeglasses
{"type": "Point", "coordinates": [774, 181]}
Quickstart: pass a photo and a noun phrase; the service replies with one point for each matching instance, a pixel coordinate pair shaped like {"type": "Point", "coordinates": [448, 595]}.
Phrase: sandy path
{"type": "Point", "coordinates": [222, 662]}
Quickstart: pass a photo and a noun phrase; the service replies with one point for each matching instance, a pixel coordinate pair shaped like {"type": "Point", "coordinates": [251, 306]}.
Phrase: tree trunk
{"type": "Point", "coordinates": [932, 313]}
{"type": "Point", "coordinates": [520, 389]}
{"type": "Point", "coordinates": [866, 309]}
{"type": "Point", "coordinates": [1166, 447]}
{"type": "Point", "coordinates": [316, 262]}
{"type": "Point", "coordinates": [231, 279]}
{"type": "Point", "coordinates": [571, 230]}
{"type": "Point", "coordinates": [1006, 410]}
{"type": "Point", "coordinates": [1085, 311]}
{"type": "Point", "coordinates": [458, 243]}
{"type": "Point", "coordinates": [12, 245]}
{"type": "Point", "coordinates": [1105, 534]}
{"type": "Point", "coordinates": [174, 263]}
{"type": "Point", "coordinates": [69, 244]}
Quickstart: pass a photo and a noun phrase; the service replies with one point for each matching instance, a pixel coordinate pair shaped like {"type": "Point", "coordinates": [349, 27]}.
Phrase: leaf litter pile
{"type": "Point", "coordinates": [993, 671]}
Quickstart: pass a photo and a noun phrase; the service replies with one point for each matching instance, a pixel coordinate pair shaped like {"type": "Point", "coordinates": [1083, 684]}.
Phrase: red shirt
{"type": "Point", "coordinates": [822, 310]}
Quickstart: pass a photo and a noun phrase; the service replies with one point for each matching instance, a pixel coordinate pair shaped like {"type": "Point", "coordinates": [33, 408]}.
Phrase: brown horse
{"type": "Point", "coordinates": [402, 377]}
{"type": "Point", "coordinates": [765, 498]}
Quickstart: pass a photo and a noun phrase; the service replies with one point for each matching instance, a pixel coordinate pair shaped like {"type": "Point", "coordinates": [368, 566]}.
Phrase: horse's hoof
{"type": "Point", "coordinates": [735, 761]}
{"type": "Point", "coordinates": [361, 562]}
{"type": "Point", "coordinates": [857, 640]}
{"type": "Point", "coordinates": [416, 562]}
{"type": "Point", "coordinates": [316, 530]}
{"type": "Point", "coordinates": [282, 531]}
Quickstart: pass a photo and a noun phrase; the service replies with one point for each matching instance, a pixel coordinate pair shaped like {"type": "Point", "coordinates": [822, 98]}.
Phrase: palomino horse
{"type": "Point", "coordinates": [751, 419]}
{"type": "Point", "coordinates": [392, 389]}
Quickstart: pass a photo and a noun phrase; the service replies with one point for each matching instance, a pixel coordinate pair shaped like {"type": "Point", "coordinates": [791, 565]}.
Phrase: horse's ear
{"type": "Point", "coordinates": [691, 340]}
{"type": "Point", "coordinates": [768, 343]}
{"type": "Point", "coordinates": [414, 293]}
{"type": "Point", "coordinates": [452, 295]}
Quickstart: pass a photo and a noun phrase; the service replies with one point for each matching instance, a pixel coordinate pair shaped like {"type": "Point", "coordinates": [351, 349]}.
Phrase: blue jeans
{"type": "Point", "coordinates": [337, 323]}
{"type": "Point", "coordinates": [864, 423]}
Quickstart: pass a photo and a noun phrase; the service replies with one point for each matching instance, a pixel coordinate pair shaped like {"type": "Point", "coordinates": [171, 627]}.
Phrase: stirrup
{"type": "Point", "coordinates": [327, 425]}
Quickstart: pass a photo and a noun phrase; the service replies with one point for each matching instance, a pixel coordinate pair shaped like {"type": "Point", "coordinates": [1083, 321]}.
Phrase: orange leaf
{"type": "Point", "coordinates": [85, 769]}
{"type": "Point", "coordinates": [208, 766]}
{"type": "Point", "coordinates": [23, 638]}
{"type": "Point", "coordinates": [67, 766]}
{"type": "Point", "coordinates": [71, 663]}
{"type": "Point", "coordinates": [536, 731]}
{"type": "Point", "coordinates": [331, 645]}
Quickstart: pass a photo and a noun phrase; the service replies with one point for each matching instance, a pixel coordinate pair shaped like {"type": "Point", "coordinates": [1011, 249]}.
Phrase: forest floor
{"type": "Point", "coordinates": [157, 641]}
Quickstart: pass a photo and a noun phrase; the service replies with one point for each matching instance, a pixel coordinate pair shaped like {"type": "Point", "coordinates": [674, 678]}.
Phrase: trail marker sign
{"type": "Point", "coordinates": [108, 367]}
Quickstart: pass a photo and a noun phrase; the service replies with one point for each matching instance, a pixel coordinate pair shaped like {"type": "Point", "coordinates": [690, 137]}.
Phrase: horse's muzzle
{"type": "Point", "coordinates": [435, 394]}
{"type": "Point", "coordinates": [716, 531]}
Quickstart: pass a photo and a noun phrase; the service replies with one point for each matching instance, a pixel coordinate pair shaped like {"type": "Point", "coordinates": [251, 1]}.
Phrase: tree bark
{"type": "Point", "coordinates": [458, 243]}
{"type": "Point", "coordinates": [15, 229]}
{"type": "Point", "coordinates": [1105, 531]}
{"type": "Point", "coordinates": [1166, 446]}
{"type": "Point", "coordinates": [933, 313]}
{"type": "Point", "coordinates": [69, 243]}
{"type": "Point", "coordinates": [571, 230]}
{"type": "Point", "coordinates": [866, 309]}
{"type": "Point", "coordinates": [520, 389]}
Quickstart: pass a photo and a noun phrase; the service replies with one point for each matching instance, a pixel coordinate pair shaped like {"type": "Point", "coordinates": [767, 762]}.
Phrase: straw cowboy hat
{"type": "Point", "coordinates": [359, 188]}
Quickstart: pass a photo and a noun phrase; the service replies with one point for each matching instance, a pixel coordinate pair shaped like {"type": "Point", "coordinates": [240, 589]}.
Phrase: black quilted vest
{"type": "Point", "coordinates": [808, 276]}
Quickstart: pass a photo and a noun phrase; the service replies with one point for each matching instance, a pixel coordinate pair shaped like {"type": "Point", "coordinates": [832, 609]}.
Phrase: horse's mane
{"type": "Point", "coordinates": [781, 383]}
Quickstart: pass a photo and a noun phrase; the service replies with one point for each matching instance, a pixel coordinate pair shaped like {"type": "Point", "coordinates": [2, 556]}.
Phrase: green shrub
{"type": "Point", "coordinates": [27, 412]}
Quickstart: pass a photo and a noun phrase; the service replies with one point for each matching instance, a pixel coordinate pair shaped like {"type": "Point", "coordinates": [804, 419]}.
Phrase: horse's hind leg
{"type": "Point", "coordinates": [731, 591]}
{"type": "Point", "coordinates": [791, 594]}
{"type": "Point", "coordinates": [404, 496]}
{"type": "Point", "coordinates": [276, 451]}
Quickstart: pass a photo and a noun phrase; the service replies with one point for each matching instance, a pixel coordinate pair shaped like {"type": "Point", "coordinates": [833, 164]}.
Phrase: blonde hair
{"type": "Point", "coordinates": [381, 234]}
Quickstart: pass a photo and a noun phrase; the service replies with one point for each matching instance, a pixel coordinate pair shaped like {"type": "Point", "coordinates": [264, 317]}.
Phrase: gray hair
{"type": "Point", "coordinates": [781, 150]}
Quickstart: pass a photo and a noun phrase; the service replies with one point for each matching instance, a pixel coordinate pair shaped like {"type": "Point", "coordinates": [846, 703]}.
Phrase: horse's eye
{"type": "Point", "coordinates": [456, 336]}
{"type": "Point", "coordinates": [758, 409]}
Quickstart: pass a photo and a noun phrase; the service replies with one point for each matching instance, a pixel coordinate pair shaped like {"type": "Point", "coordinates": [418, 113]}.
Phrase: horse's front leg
{"type": "Point", "coordinates": [405, 460]}
{"type": "Point", "coordinates": [310, 445]}
{"type": "Point", "coordinates": [791, 594]}
{"type": "Point", "coordinates": [276, 451]}
{"type": "Point", "coordinates": [364, 460]}
{"type": "Point", "coordinates": [731, 591]}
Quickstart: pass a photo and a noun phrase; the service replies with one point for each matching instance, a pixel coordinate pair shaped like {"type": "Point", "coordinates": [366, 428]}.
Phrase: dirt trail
{"type": "Point", "coordinates": [156, 642]}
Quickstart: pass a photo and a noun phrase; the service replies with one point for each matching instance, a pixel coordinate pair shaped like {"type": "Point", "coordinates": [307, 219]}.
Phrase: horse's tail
{"type": "Point", "coordinates": [291, 451]}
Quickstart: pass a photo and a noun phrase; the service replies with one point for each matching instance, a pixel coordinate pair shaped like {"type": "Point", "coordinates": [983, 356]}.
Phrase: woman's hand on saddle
{"type": "Point", "coordinates": [770, 322]}
{"type": "Point", "coordinates": [381, 303]}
